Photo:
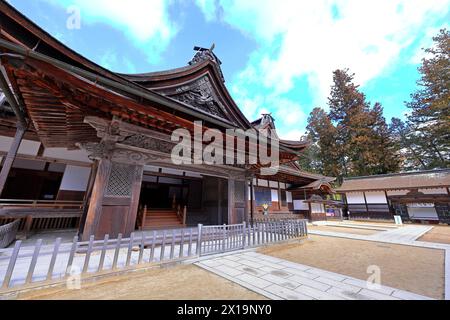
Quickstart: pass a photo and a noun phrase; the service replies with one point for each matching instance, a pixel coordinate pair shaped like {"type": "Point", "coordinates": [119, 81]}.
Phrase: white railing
{"type": "Point", "coordinates": [24, 265]}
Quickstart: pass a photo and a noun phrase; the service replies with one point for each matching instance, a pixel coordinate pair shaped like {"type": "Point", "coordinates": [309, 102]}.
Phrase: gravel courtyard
{"type": "Point", "coordinates": [183, 282]}
{"type": "Point", "coordinates": [418, 270]}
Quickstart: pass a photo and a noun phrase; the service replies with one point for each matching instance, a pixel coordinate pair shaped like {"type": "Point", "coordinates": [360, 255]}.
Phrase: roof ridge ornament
{"type": "Point", "coordinates": [203, 54]}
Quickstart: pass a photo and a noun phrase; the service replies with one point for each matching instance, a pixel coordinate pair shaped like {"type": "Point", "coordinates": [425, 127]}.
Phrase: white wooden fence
{"type": "Point", "coordinates": [23, 265]}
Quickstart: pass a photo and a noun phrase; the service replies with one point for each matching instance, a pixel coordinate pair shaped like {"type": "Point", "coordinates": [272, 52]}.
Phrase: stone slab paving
{"type": "Point", "coordinates": [280, 279]}
{"type": "Point", "coordinates": [405, 233]}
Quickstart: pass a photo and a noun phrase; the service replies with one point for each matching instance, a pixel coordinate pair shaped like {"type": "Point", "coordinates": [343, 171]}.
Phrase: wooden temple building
{"type": "Point", "coordinates": [83, 147]}
{"type": "Point", "coordinates": [415, 196]}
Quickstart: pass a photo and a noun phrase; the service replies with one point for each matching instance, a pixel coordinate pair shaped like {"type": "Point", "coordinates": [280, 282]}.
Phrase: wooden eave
{"type": "Point", "coordinates": [159, 81]}
{"type": "Point", "coordinates": [421, 198]}
{"type": "Point", "coordinates": [60, 99]}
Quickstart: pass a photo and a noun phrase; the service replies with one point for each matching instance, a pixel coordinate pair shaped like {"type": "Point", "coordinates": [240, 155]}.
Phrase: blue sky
{"type": "Point", "coordinates": [278, 55]}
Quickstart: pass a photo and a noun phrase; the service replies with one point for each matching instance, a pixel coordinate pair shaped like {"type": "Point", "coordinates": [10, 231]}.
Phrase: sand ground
{"type": "Point", "coordinates": [182, 282]}
{"type": "Point", "coordinates": [439, 234]}
{"type": "Point", "coordinates": [344, 230]}
{"type": "Point", "coordinates": [419, 270]}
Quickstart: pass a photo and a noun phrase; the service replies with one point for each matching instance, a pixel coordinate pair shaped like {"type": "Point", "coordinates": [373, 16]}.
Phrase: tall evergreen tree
{"type": "Point", "coordinates": [385, 150]}
{"type": "Point", "coordinates": [407, 145]}
{"type": "Point", "coordinates": [322, 134]}
{"type": "Point", "coordinates": [430, 104]}
{"type": "Point", "coordinates": [364, 145]}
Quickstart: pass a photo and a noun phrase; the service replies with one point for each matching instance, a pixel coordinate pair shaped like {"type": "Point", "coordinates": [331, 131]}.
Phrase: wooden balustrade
{"type": "Point", "coordinates": [41, 214]}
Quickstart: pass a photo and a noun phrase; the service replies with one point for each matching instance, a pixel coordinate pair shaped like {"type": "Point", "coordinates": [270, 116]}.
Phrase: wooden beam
{"type": "Point", "coordinates": [11, 156]}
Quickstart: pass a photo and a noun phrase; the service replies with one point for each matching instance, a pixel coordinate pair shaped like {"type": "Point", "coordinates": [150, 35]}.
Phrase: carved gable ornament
{"type": "Point", "coordinates": [200, 95]}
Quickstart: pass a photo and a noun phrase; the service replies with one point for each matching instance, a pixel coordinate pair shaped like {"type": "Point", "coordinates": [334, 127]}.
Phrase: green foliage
{"type": "Point", "coordinates": [353, 138]}
{"type": "Point", "coordinates": [429, 121]}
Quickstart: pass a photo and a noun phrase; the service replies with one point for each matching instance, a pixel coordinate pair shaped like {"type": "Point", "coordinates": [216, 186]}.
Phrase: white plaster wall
{"type": "Point", "coordinates": [375, 197]}
{"type": "Point", "coordinates": [300, 205]}
{"type": "Point", "coordinates": [282, 185]}
{"type": "Point", "coordinates": [317, 208]}
{"type": "Point", "coordinates": [263, 183]}
{"type": "Point", "coordinates": [63, 153]}
{"type": "Point", "coordinates": [274, 194]}
{"type": "Point", "coordinates": [75, 178]}
{"type": "Point", "coordinates": [273, 184]}
{"type": "Point", "coordinates": [355, 197]}
{"type": "Point", "coordinates": [27, 147]}
{"type": "Point", "coordinates": [434, 191]}
{"type": "Point", "coordinates": [288, 196]}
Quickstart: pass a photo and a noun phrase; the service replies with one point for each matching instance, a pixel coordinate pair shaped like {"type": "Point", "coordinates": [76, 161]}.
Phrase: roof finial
{"type": "Point", "coordinates": [212, 47]}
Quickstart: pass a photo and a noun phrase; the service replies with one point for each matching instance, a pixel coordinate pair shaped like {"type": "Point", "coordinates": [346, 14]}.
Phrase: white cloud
{"type": "Point", "coordinates": [146, 23]}
{"type": "Point", "coordinates": [366, 36]}
{"type": "Point", "coordinates": [426, 42]}
{"type": "Point", "coordinates": [208, 8]}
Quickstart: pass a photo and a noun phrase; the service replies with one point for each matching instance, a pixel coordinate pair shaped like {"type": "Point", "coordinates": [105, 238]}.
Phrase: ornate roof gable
{"type": "Point", "coordinates": [201, 95]}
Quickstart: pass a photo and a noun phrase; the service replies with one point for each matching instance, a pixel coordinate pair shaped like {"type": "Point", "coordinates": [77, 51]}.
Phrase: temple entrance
{"type": "Point", "coordinates": [163, 196]}
{"type": "Point", "coordinates": [167, 202]}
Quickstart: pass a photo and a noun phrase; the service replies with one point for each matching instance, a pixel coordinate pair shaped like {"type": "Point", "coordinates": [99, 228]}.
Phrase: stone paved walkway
{"type": "Point", "coordinates": [284, 280]}
{"type": "Point", "coordinates": [402, 234]}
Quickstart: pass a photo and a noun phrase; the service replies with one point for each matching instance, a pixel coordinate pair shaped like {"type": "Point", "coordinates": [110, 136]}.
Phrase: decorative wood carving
{"type": "Point", "coordinates": [200, 95]}
{"type": "Point", "coordinates": [145, 142]}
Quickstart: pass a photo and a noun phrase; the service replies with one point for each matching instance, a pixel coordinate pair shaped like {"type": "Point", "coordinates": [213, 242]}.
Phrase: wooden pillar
{"type": "Point", "coordinates": [231, 211]}
{"type": "Point", "coordinates": [220, 219]}
{"type": "Point", "coordinates": [87, 195]}
{"type": "Point", "coordinates": [279, 196]}
{"type": "Point", "coordinates": [95, 203]}
{"type": "Point", "coordinates": [114, 201]}
{"type": "Point", "coordinates": [252, 204]}
{"type": "Point", "coordinates": [246, 201]}
{"type": "Point", "coordinates": [7, 164]}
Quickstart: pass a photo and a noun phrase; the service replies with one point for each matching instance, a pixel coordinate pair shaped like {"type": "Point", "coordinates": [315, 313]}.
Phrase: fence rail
{"type": "Point", "coordinates": [23, 265]}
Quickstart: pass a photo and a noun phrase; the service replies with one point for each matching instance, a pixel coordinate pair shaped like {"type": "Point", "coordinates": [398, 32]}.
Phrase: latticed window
{"type": "Point", "coordinates": [239, 191]}
{"type": "Point", "coordinates": [120, 180]}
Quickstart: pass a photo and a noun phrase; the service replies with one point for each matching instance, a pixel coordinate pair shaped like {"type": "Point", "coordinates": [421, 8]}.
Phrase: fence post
{"type": "Point", "coordinates": [88, 254]}
{"type": "Point", "coordinates": [116, 252]}
{"type": "Point", "coordinates": [71, 255]}
{"type": "Point", "coordinates": [224, 236]}
{"type": "Point", "coordinates": [243, 234]}
{"type": "Point", "coordinates": [199, 239]}
{"type": "Point", "coordinates": [102, 255]}
{"type": "Point", "coordinates": [53, 260]}
{"type": "Point", "coordinates": [12, 263]}
{"type": "Point", "coordinates": [130, 249]}
{"type": "Point", "coordinates": [37, 248]}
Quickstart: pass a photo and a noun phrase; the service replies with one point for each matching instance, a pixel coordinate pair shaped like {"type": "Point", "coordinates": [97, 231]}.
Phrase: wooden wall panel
{"type": "Point", "coordinates": [70, 195]}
